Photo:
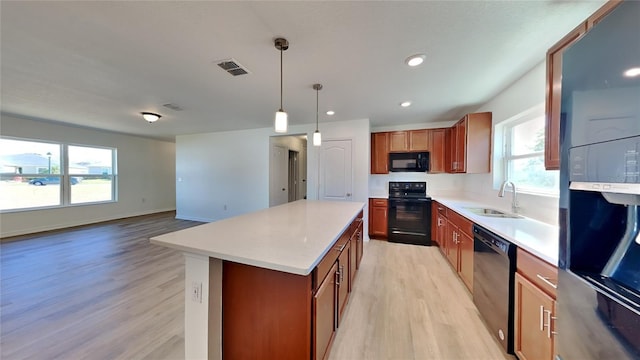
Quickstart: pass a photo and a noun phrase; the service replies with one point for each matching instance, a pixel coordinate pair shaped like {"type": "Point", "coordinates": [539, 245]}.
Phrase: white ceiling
{"type": "Point", "coordinates": [99, 64]}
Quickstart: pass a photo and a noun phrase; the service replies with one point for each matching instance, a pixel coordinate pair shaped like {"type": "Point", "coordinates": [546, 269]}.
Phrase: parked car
{"type": "Point", "coordinates": [50, 181]}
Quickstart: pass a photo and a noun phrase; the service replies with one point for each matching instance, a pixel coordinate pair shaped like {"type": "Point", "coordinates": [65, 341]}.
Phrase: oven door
{"type": "Point", "coordinates": [410, 221]}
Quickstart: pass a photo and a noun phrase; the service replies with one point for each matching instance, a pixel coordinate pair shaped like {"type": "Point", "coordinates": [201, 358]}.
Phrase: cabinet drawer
{"type": "Point", "coordinates": [441, 209]}
{"type": "Point", "coordinates": [461, 222]}
{"type": "Point", "coordinates": [321, 271]}
{"type": "Point", "coordinates": [379, 202]}
{"type": "Point", "coordinates": [538, 271]}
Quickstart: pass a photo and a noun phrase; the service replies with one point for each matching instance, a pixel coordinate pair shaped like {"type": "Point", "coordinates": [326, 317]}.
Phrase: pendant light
{"type": "Point", "coordinates": [281, 116]}
{"type": "Point", "coordinates": [317, 138]}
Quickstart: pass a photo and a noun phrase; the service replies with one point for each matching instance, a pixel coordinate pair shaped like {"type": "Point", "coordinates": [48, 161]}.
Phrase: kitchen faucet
{"type": "Point", "coordinates": [514, 198]}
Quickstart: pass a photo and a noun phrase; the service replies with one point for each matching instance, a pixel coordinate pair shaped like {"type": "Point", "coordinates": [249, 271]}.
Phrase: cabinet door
{"type": "Point", "coordinates": [442, 233]}
{"type": "Point", "coordinates": [419, 140]}
{"type": "Point", "coordinates": [380, 153]}
{"type": "Point", "coordinates": [452, 244]}
{"type": "Point", "coordinates": [465, 244]}
{"type": "Point", "coordinates": [353, 259]}
{"type": "Point", "coordinates": [554, 97]}
{"type": "Point", "coordinates": [378, 226]}
{"type": "Point", "coordinates": [438, 149]}
{"type": "Point", "coordinates": [360, 247]}
{"type": "Point", "coordinates": [461, 145]}
{"type": "Point", "coordinates": [324, 315]}
{"type": "Point", "coordinates": [534, 322]}
{"type": "Point", "coordinates": [450, 144]}
{"type": "Point", "coordinates": [399, 141]}
{"type": "Point", "coordinates": [342, 281]}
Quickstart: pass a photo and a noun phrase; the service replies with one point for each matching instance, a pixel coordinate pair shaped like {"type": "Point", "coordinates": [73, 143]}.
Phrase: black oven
{"type": "Point", "coordinates": [409, 213]}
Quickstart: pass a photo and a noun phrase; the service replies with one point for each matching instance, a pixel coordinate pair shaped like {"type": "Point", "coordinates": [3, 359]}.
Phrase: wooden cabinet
{"type": "Point", "coordinates": [553, 115]}
{"type": "Point", "coordinates": [342, 279]}
{"type": "Point", "coordinates": [398, 141]}
{"type": "Point", "coordinates": [269, 314]}
{"type": "Point", "coordinates": [378, 214]}
{"type": "Point", "coordinates": [534, 308]}
{"type": "Point", "coordinates": [324, 326]}
{"type": "Point", "coordinates": [470, 144]}
{"type": "Point", "coordinates": [455, 237]}
{"type": "Point", "coordinates": [380, 153]}
{"type": "Point", "coordinates": [554, 96]}
{"type": "Point", "coordinates": [419, 140]}
{"type": "Point", "coordinates": [437, 151]}
{"type": "Point", "coordinates": [360, 244]}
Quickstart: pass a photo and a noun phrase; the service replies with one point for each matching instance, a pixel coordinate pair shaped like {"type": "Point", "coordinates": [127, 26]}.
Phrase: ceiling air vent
{"type": "Point", "coordinates": [173, 107]}
{"type": "Point", "coordinates": [232, 67]}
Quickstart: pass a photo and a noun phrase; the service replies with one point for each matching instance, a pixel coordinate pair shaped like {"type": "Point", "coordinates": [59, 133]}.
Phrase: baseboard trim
{"type": "Point", "coordinates": [194, 218]}
{"type": "Point", "coordinates": [71, 224]}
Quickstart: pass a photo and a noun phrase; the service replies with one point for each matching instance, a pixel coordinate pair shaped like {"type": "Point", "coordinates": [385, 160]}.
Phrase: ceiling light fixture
{"type": "Point", "coordinates": [415, 60]}
{"type": "Point", "coordinates": [331, 112]}
{"type": "Point", "coordinates": [633, 72]}
{"type": "Point", "coordinates": [405, 103]}
{"type": "Point", "coordinates": [151, 117]}
{"type": "Point", "coordinates": [281, 116]}
{"type": "Point", "coordinates": [317, 138]}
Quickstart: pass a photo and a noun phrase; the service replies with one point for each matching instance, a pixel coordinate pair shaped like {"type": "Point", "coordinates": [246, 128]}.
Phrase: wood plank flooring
{"type": "Point", "coordinates": [104, 292]}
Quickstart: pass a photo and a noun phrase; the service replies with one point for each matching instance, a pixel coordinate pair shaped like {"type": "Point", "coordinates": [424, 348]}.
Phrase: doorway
{"type": "Point", "coordinates": [287, 169]}
{"type": "Point", "coordinates": [336, 171]}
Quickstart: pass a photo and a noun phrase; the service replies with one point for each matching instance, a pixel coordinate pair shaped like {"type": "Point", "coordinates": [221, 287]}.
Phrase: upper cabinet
{"type": "Point", "coordinates": [380, 153]}
{"type": "Point", "coordinates": [437, 155]}
{"type": "Point", "coordinates": [398, 141]}
{"type": "Point", "coordinates": [470, 144]}
{"type": "Point", "coordinates": [419, 140]}
{"type": "Point", "coordinates": [553, 115]}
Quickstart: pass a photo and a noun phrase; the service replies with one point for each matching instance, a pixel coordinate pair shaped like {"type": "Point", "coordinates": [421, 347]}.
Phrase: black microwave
{"type": "Point", "coordinates": [409, 162]}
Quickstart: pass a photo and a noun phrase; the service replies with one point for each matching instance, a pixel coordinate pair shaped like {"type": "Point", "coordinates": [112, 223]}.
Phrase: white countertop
{"type": "Point", "coordinates": [536, 237]}
{"type": "Point", "coordinates": [291, 238]}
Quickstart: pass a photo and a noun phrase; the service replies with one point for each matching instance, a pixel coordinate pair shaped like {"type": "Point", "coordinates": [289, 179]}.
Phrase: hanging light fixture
{"type": "Point", "coordinates": [317, 138]}
{"type": "Point", "coordinates": [281, 116]}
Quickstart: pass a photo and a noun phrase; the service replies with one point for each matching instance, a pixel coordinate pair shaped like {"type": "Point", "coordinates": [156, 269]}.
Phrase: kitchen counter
{"type": "Point", "coordinates": [291, 237]}
{"type": "Point", "coordinates": [536, 237]}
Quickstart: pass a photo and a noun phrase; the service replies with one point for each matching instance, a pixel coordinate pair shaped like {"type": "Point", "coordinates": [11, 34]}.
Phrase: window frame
{"type": "Point", "coordinates": [65, 176]}
{"type": "Point", "coordinates": [504, 156]}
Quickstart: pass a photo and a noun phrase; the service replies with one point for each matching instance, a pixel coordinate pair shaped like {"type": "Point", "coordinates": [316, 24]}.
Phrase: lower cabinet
{"type": "Point", "coordinates": [378, 218]}
{"type": "Point", "coordinates": [324, 326]}
{"type": "Point", "coordinates": [534, 321]}
{"type": "Point", "coordinates": [456, 241]}
{"type": "Point", "coordinates": [269, 314]}
{"type": "Point", "coordinates": [535, 307]}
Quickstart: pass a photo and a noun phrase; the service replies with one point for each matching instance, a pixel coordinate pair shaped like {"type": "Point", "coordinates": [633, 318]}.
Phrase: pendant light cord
{"type": "Point", "coordinates": [281, 78]}
{"type": "Point", "coordinates": [317, 91]}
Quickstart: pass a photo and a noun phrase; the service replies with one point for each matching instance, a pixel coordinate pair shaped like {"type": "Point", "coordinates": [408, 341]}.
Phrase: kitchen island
{"type": "Point", "coordinates": [269, 284]}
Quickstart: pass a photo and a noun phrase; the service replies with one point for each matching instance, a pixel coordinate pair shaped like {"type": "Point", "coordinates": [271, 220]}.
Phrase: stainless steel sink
{"type": "Point", "coordinates": [492, 213]}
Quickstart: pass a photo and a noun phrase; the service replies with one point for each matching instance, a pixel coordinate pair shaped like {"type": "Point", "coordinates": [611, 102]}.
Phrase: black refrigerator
{"type": "Point", "coordinates": [598, 298]}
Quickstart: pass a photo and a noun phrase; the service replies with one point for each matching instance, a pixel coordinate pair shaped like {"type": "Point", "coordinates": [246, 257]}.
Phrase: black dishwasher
{"type": "Point", "coordinates": [494, 267]}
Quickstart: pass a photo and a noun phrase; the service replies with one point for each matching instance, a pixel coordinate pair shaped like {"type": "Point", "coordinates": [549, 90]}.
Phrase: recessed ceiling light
{"type": "Point", "coordinates": [405, 103]}
{"type": "Point", "coordinates": [331, 112]}
{"type": "Point", "coordinates": [415, 60]}
{"type": "Point", "coordinates": [633, 72]}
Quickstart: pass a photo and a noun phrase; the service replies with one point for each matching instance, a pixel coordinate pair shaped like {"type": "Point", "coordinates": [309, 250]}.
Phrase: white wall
{"type": "Point", "coordinates": [224, 174]}
{"type": "Point", "coordinates": [146, 169]}
{"type": "Point", "coordinates": [524, 94]}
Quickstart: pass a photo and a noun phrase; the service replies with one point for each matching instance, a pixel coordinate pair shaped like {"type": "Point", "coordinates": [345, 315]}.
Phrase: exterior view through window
{"type": "Point", "coordinates": [35, 174]}
{"type": "Point", "coordinates": [524, 156]}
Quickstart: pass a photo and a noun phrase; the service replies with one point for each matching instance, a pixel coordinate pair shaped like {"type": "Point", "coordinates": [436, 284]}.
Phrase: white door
{"type": "Point", "coordinates": [336, 172]}
{"type": "Point", "coordinates": [278, 175]}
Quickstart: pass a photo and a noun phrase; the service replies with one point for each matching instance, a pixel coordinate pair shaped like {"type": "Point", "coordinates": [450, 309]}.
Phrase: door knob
{"type": "Point", "coordinates": [348, 194]}
{"type": "Point", "coordinates": [282, 189]}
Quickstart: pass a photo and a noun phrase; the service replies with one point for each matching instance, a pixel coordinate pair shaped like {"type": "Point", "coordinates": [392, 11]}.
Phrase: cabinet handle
{"type": "Point", "coordinates": [548, 324]}
{"type": "Point", "coordinates": [341, 273]}
{"type": "Point", "coordinates": [546, 280]}
{"type": "Point", "coordinates": [340, 248]}
{"type": "Point", "coordinates": [541, 318]}
{"type": "Point", "coordinates": [338, 278]}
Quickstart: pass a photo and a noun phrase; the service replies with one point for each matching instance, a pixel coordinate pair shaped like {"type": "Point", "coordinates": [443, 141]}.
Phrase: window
{"type": "Point", "coordinates": [523, 155]}
{"type": "Point", "coordinates": [35, 174]}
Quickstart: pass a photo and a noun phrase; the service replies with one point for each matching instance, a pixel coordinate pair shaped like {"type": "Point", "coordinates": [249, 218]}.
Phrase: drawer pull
{"type": "Point", "coordinates": [541, 318]}
{"type": "Point", "coordinates": [546, 280]}
{"type": "Point", "coordinates": [340, 248]}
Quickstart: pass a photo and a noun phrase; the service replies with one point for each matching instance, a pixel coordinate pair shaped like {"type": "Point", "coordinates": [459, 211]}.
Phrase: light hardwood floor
{"type": "Point", "coordinates": [104, 292]}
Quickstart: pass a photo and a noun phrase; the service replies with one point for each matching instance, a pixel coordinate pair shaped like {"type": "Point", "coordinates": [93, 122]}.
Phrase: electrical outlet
{"type": "Point", "coordinates": [196, 292]}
